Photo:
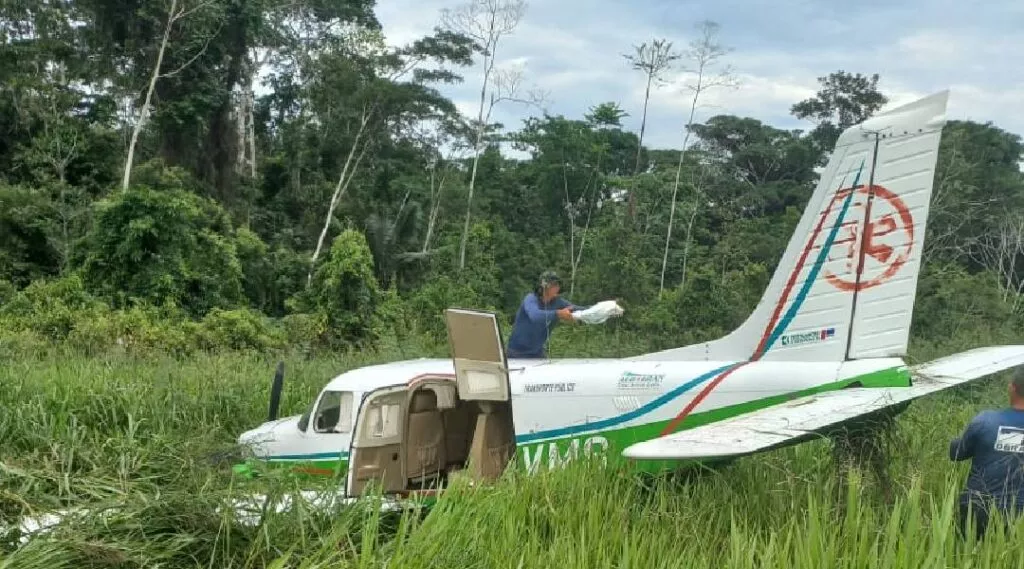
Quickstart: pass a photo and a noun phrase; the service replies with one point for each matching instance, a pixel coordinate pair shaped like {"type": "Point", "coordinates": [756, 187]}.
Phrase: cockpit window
{"type": "Point", "coordinates": [334, 413]}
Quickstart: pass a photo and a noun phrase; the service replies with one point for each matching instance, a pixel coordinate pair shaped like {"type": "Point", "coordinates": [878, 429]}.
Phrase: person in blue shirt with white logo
{"type": "Point", "coordinates": [994, 441]}
{"type": "Point", "coordinates": [538, 314]}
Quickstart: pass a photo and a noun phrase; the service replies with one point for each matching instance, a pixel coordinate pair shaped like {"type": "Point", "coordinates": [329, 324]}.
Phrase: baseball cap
{"type": "Point", "coordinates": [548, 278]}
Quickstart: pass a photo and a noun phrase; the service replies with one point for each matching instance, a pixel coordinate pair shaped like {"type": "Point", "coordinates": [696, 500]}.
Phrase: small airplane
{"type": "Point", "coordinates": [825, 345]}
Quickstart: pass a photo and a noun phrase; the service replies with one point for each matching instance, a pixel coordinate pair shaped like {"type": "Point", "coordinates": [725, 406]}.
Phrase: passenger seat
{"type": "Point", "coordinates": [425, 443]}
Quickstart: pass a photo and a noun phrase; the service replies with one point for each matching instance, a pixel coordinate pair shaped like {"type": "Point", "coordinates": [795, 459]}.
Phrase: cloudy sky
{"type": "Point", "coordinates": [572, 49]}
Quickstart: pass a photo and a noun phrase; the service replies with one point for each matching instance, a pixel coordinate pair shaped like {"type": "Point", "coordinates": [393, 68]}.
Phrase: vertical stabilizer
{"type": "Point", "coordinates": [845, 286]}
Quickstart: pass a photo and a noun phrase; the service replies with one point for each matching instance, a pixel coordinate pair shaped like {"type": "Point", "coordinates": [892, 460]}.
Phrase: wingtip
{"type": "Point", "coordinates": [657, 449]}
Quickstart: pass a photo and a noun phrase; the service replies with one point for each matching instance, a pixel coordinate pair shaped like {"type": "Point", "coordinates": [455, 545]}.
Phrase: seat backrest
{"type": "Point", "coordinates": [425, 443]}
{"type": "Point", "coordinates": [492, 443]}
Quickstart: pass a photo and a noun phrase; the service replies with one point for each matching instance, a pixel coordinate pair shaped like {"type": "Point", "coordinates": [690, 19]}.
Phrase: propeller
{"type": "Point", "coordinates": [275, 391]}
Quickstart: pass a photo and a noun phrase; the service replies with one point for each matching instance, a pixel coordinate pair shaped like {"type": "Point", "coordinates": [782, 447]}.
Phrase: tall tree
{"type": "Point", "coordinates": [653, 60]}
{"type": "Point", "coordinates": [843, 99]}
{"type": "Point", "coordinates": [486, 22]}
{"type": "Point", "coordinates": [606, 115]}
{"type": "Point", "coordinates": [979, 186]}
{"type": "Point", "coordinates": [392, 93]}
{"type": "Point", "coordinates": [178, 10]}
{"type": "Point", "coordinates": [705, 54]}
{"type": "Point", "coordinates": [568, 162]}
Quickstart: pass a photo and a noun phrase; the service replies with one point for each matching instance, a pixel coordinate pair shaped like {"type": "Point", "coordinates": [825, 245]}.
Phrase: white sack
{"type": "Point", "coordinates": [598, 313]}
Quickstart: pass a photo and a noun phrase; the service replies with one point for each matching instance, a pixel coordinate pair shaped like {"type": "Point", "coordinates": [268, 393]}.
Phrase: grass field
{"type": "Point", "coordinates": [136, 437]}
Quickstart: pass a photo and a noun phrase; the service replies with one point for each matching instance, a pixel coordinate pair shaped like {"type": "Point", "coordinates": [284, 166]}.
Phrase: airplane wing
{"type": "Point", "coordinates": [805, 417]}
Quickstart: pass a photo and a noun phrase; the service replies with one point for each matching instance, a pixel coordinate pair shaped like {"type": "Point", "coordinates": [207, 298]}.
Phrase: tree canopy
{"type": "Point", "coordinates": [184, 158]}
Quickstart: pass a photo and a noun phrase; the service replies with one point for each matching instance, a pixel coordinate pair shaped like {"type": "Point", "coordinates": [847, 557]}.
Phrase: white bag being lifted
{"type": "Point", "coordinates": [598, 313]}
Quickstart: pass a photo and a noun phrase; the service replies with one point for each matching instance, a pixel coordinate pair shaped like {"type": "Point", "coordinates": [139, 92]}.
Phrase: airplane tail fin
{"type": "Point", "coordinates": [845, 286]}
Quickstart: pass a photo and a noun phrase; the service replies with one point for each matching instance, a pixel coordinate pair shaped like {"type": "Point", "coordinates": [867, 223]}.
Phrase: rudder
{"type": "Point", "coordinates": [891, 243]}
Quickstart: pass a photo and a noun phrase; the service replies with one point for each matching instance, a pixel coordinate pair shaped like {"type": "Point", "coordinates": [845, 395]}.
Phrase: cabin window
{"type": "Point", "coordinates": [385, 420]}
{"type": "Point", "coordinates": [482, 381]}
{"type": "Point", "coordinates": [334, 414]}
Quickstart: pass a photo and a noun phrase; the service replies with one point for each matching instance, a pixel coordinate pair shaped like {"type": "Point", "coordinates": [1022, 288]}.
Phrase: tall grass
{"type": "Point", "coordinates": [136, 441]}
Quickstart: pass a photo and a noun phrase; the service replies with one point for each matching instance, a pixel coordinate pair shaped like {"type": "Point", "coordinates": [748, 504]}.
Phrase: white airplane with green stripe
{"type": "Point", "coordinates": [824, 346]}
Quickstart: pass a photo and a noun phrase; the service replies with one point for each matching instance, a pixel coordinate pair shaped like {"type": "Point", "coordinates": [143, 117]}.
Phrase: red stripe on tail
{"type": "Point", "coordinates": [771, 324]}
{"type": "Point", "coordinates": [792, 277]}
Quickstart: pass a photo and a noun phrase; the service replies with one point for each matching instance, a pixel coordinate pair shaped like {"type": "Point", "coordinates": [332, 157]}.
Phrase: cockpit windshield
{"type": "Point", "coordinates": [334, 413]}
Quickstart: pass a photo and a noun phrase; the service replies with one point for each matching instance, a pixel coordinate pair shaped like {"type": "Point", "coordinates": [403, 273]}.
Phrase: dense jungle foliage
{"type": "Point", "coordinates": [183, 175]}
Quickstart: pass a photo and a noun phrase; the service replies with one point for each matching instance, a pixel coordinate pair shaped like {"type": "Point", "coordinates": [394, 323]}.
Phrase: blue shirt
{"type": "Point", "coordinates": [994, 441]}
{"type": "Point", "coordinates": [533, 324]}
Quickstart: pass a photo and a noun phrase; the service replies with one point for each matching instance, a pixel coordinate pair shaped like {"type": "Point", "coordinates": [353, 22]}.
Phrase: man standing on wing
{"type": "Point", "coordinates": [994, 441]}
{"type": "Point", "coordinates": [538, 314]}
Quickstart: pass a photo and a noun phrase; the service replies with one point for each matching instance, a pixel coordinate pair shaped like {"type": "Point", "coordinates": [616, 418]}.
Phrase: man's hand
{"type": "Point", "coordinates": [565, 314]}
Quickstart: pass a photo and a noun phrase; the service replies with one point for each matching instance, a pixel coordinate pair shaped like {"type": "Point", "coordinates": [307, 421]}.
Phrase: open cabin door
{"type": "Point", "coordinates": [481, 376]}
{"type": "Point", "coordinates": [481, 372]}
{"type": "Point", "coordinates": [377, 455]}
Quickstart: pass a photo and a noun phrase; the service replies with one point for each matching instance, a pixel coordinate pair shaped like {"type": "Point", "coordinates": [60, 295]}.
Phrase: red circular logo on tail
{"type": "Point", "coordinates": [888, 237]}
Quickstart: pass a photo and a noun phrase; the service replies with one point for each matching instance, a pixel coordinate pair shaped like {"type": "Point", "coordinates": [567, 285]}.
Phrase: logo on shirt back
{"type": "Point", "coordinates": [1010, 439]}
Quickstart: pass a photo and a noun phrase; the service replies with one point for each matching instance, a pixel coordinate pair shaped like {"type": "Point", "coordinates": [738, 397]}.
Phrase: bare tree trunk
{"type": "Point", "coordinates": [639, 148]}
{"type": "Point", "coordinates": [689, 232]}
{"type": "Point", "coordinates": [675, 190]}
{"type": "Point", "coordinates": [172, 15]}
{"type": "Point", "coordinates": [643, 124]}
{"type": "Point", "coordinates": [343, 181]}
{"type": "Point", "coordinates": [574, 255]}
{"type": "Point", "coordinates": [253, 65]}
{"type": "Point", "coordinates": [570, 212]}
{"type": "Point", "coordinates": [469, 210]}
{"type": "Point", "coordinates": [488, 67]}
{"type": "Point", "coordinates": [704, 52]}
{"type": "Point", "coordinates": [435, 207]}
{"type": "Point", "coordinates": [653, 59]}
{"type": "Point", "coordinates": [240, 131]}
{"type": "Point", "coordinates": [296, 169]}
{"type": "Point", "coordinates": [250, 103]}
{"type": "Point", "coordinates": [579, 254]}
{"type": "Point", "coordinates": [485, 21]}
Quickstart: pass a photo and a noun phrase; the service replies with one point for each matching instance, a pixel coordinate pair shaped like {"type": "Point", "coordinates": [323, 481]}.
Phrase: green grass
{"type": "Point", "coordinates": [137, 438]}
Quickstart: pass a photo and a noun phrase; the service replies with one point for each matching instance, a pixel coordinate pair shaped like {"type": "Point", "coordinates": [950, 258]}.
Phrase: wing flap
{"type": "Point", "coordinates": [807, 416]}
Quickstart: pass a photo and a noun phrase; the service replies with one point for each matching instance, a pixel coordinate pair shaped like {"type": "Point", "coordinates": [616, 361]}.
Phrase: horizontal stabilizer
{"type": "Point", "coordinates": [805, 417]}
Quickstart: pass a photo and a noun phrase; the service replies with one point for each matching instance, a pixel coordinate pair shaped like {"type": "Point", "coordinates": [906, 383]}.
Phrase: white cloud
{"type": "Point", "coordinates": [754, 95]}
{"type": "Point", "coordinates": [929, 46]}
{"type": "Point", "coordinates": [573, 50]}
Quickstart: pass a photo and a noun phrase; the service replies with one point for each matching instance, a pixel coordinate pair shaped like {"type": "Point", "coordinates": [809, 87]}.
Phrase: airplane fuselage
{"type": "Point", "coordinates": [574, 408]}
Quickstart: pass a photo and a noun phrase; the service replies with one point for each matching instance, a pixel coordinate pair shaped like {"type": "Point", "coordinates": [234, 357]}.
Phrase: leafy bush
{"type": "Point", "coordinates": [344, 292]}
{"type": "Point", "coordinates": [240, 329]}
{"type": "Point", "coordinates": [257, 268]}
{"type": "Point", "coordinates": [952, 304]}
{"type": "Point", "coordinates": [163, 246]}
{"type": "Point", "coordinates": [27, 221]}
{"type": "Point", "coordinates": [52, 308]}
{"type": "Point", "coordinates": [430, 301]}
{"type": "Point", "coordinates": [139, 329]}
